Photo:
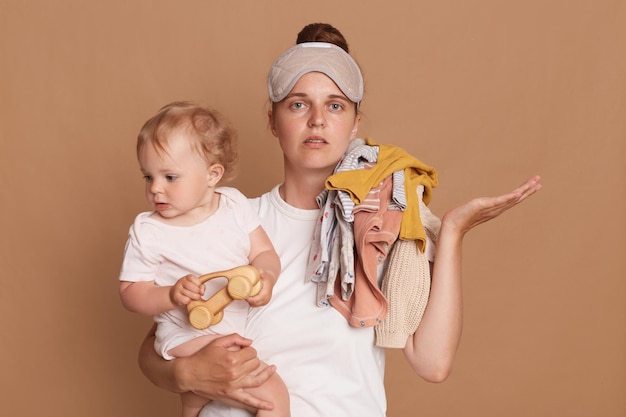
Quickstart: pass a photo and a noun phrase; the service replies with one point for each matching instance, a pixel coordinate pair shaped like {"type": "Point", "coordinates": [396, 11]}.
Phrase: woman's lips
{"type": "Point", "coordinates": [315, 141]}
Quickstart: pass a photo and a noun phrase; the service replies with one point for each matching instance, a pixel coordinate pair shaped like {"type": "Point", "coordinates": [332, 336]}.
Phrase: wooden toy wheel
{"type": "Point", "coordinates": [256, 288]}
{"type": "Point", "coordinates": [217, 317]}
{"type": "Point", "coordinates": [239, 287]}
{"type": "Point", "coordinates": [201, 317]}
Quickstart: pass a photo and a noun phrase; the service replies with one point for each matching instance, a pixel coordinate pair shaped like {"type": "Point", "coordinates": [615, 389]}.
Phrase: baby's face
{"type": "Point", "coordinates": [177, 178]}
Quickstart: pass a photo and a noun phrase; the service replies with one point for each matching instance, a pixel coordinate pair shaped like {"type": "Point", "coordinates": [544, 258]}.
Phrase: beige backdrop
{"type": "Point", "coordinates": [488, 91]}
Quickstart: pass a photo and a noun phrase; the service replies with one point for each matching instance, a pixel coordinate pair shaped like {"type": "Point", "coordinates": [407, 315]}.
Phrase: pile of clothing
{"type": "Point", "coordinates": [374, 222]}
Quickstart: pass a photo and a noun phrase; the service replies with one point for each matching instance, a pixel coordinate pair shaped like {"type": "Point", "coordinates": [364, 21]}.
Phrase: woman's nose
{"type": "Point", "coordinates": [316, 118]}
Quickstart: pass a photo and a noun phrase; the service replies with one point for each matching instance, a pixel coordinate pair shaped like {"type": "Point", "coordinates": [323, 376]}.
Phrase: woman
{"type": "Point", "coordinates": [330, 368]}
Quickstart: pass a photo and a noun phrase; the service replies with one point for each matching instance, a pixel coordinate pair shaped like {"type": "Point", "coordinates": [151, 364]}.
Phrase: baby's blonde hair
{"type": "Point", "coordinates": [207, 130]}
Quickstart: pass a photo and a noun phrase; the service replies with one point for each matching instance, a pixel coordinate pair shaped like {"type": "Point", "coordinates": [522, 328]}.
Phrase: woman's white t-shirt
{"type": "Point", "coordinates": [329, 368]}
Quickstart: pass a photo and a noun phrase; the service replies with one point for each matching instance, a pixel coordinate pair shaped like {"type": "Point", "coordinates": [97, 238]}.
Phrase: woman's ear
{"type": "Point", "coordinates": [355, 128]}
{"type": "Point", "coordinates": [215, 173]}
{"type": "Point", "coordinates": [270, 121]}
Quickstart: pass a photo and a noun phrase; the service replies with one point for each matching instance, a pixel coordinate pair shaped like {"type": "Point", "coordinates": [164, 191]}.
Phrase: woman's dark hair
{"type": "Point", "coordinates": [322, 32]}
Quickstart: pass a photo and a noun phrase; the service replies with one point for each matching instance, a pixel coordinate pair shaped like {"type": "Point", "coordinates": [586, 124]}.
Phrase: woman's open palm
{"type": "Point", "coordinates": [482, 209]}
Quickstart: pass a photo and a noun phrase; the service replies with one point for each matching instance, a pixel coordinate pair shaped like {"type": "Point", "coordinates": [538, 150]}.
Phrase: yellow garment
{"type": "Point", "coordinates": [357, 183]}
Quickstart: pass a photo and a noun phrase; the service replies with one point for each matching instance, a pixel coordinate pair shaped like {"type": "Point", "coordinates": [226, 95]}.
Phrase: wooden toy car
{"type": "Point", "coordinates": [243, 281]}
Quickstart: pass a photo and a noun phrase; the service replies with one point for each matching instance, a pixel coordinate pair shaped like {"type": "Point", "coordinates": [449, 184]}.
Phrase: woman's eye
{"type": "Point", "coordinates": [297, 106]}
{"type": "Point", "coordinates": [336, 106]}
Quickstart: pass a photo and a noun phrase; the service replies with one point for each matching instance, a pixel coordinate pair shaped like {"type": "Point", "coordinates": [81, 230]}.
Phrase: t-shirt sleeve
{"type": "Point", "coordinates": [141, 260]}
{"type": "Point", "coordinates": [247, 214]}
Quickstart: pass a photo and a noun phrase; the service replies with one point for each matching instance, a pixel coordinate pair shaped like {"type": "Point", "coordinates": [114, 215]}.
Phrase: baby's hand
{"type": "Point", "coordinates": [263, 297]}
{"type": "Point", "coordinates": [185, 290]}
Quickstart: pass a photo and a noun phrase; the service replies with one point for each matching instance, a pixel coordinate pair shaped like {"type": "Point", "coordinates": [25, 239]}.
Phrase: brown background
{"type": "Point", "coordinates": [488, 91]}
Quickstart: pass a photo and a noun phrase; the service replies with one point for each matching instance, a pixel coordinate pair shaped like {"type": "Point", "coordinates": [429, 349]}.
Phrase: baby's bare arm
{"type": "Point", "coordinates": [264, 258]}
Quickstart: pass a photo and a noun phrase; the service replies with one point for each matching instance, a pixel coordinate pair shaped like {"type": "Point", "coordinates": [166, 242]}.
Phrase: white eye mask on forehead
{"type": "Point", "coordinates": [321, 57]}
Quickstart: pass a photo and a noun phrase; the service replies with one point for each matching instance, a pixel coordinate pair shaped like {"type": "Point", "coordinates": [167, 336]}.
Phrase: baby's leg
{"type": "Point", "coordinates": [192, 346]}
{"type": "Point", "coordinates": [191, 403]}
{"type": "Point", "coordinates": [274, 391]}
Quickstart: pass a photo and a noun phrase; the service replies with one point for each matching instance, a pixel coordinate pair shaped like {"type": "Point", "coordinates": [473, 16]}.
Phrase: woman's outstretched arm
{"type": "Point", "coordinates": [219, 371]}
{"type": "Point", "coordinates": [432, 348]}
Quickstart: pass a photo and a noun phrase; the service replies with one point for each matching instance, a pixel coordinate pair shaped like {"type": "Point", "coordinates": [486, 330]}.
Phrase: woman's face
{"type": "Point", "coordinates": [314, 124]}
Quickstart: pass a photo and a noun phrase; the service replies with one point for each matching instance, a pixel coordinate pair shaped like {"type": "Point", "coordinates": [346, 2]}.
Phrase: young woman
{"type": "Point", "coordinates": [329, 367]}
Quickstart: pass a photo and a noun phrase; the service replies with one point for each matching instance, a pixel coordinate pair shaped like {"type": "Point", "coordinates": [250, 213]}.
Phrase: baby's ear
{"type": "Point", "coordinates": [215, 173]}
